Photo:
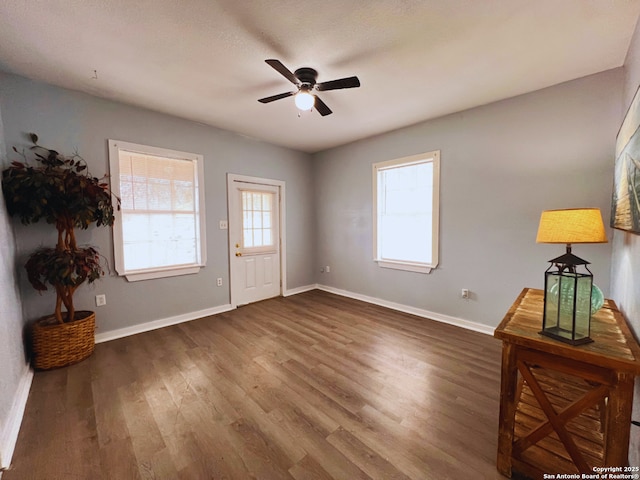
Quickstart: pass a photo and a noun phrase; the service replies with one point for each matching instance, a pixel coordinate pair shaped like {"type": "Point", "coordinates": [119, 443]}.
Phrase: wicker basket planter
{"type": "Point", "coordinates": [56, 345]}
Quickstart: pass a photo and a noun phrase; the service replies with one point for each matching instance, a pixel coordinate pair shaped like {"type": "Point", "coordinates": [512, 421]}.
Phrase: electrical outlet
{"type": "Point", "coordinates": [101, 300]}
{"type": "Point", "coordinates": [223, 225]}
{"type": "Point", "coordinates": [464, 293]}
{"type": "Point", "coordinates": [219, 281]}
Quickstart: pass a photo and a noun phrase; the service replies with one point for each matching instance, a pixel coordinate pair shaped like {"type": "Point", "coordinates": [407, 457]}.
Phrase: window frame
{"type": "Point", "coordinates": [419, 267]}
{"type": "Point", "coordinates": [115, 147]}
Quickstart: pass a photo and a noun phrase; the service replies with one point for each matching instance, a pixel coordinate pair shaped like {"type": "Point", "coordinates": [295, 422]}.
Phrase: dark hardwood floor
{"type": "Point", "coordinates": [313, 386]}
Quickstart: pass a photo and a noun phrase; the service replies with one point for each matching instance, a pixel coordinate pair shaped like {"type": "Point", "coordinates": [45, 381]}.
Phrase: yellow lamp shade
{"type": "Point", "coordinates": [572, 225]}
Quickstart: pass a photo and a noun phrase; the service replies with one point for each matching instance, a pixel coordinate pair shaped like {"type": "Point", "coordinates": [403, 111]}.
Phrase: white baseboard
{"type": "Point", "coordinates": [9, 434]}
{"type": "Point", "coordinates": [186, 317]}
{"type": "Point", "coordinates": [297, 290]}
{"type": "Point", "coordinates": [163, 322]}
{"type": "Point", "coordinates": [458, 322]}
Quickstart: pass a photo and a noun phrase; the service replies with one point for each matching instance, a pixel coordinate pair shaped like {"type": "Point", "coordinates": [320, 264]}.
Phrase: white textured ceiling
{"type": "Point", "coordinates": [416, 59]}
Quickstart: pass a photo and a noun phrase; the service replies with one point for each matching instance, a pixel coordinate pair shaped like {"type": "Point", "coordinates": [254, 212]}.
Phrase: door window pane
{"type": "Point", "coordinates": [257, 213]}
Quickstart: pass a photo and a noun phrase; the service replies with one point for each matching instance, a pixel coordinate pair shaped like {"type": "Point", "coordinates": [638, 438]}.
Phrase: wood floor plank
{"type": "Point", "coordinates": [367, 459]}
{"type": "Point", "coordinates": [146, 439]}
{"type": "Point", "coordinates": [215, 453]}
{"type": "Point", "coordinates": [309, 469]}
{"type": "Point", "coordinates": [314, 440]}
{"type": "Point", "coordinates": [310, 387]}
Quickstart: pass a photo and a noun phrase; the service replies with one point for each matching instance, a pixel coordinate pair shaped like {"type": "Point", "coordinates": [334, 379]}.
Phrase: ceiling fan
{"type": "Point", "coordinates": [305, 79]}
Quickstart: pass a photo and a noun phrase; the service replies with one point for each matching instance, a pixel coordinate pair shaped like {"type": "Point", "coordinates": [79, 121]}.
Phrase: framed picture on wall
{"type": "Point", "coordinates": [625, 205]}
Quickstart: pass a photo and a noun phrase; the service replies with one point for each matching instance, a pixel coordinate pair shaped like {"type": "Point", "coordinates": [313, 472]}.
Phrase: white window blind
{"type": "Point", "coordinates": [406, 216]}
{"type": "Point", "coordinates": [161, 219]}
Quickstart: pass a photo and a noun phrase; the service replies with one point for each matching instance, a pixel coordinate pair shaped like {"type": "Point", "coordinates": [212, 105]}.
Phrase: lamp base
{"type": "Point", "coordinates": [556, 333]}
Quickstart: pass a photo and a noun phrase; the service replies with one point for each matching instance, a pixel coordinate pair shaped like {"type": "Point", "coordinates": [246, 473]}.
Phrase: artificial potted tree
{"type": "Point", "coordinates": [59, 190]}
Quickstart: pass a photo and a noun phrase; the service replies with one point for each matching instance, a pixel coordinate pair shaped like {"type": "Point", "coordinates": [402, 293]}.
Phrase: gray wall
{"type": "Point", "coordinates": [501, 165]}
{"type": "Point", "coordinates": [625, 260]}
{"type": "Point", "coordinates": [67, 120]}
{"type": "Point", "coordinates": [12, 358]}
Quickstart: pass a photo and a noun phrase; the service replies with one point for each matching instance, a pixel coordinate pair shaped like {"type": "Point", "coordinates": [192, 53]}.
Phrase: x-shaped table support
{"type": "Point", "coordinates": [557, 421]}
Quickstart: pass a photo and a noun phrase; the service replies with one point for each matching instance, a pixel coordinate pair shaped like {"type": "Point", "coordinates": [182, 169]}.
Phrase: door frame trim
{"type": "Point", "coordinates": [231, 178]}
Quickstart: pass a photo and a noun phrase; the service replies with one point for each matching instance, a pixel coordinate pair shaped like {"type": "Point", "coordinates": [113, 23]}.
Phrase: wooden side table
{"type": "Point", "coordinates": [571, 409]}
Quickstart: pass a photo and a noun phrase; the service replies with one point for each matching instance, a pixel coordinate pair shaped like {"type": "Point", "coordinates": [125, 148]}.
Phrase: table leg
{"type": "Point", "coordinates": [508, 403]}
{"type": "Point", "coordinates": [618, 420]}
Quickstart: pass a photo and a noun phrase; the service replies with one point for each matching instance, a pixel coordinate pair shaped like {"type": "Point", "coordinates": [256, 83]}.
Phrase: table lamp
{"type": "Point", "coordinates": [568, 283]}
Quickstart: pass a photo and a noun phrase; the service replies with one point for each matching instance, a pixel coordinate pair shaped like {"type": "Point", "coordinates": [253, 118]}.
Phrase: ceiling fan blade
{"type": "Point", "coordinates": [282, 70]}
{"type": "Point", "coordinates": [349, 82]}
{"type": "Point", "coordinates": [322, 108]}
{"type": "Point", "coordinates": [273, 98]}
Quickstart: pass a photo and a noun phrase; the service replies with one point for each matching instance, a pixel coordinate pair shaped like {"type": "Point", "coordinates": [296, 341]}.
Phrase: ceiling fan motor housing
{"type": "Point", "coordinates": [307, 76]}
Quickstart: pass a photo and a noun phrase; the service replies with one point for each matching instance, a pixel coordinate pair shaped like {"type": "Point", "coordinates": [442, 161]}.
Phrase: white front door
{"type": "Point", "coordinates": [254, 239]}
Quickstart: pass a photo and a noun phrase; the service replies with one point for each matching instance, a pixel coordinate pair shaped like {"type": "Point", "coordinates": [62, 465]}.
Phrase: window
{"type": "Point", "coordinates": [258, 235]}
{"type": "Point", "coordinates": [405, 218]}
{"type": "Point", "coordinates": [159, 231]}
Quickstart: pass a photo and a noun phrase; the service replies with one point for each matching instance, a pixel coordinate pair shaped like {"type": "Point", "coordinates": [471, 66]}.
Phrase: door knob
{"type": "Point", "coordinates": [238, 254]}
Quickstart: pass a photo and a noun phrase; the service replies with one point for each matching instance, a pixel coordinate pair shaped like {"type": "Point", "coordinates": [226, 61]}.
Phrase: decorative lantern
{"type": "Point", "coordinates": [568, 283]}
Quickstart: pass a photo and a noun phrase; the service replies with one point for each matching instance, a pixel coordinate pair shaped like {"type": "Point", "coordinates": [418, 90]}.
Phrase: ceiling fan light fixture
{"type": "Point", "coordinates": [304, 100]}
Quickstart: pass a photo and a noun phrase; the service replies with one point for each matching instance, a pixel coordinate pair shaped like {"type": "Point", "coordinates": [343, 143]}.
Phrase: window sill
{"type": "Point", "coordinates": [148, 275]}
{"type": "Point", "coordinates": [409, 267]}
